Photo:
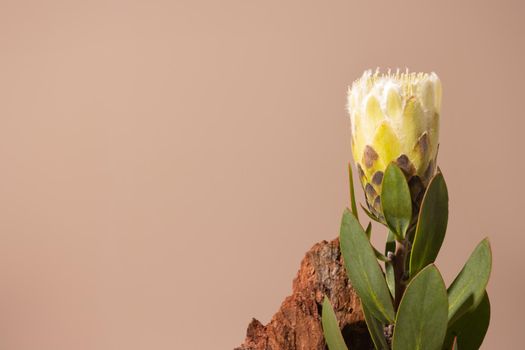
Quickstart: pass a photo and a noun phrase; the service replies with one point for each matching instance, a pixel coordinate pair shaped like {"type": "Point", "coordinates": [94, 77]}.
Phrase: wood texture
{"type": "Point", "coordinates": [297, 324]}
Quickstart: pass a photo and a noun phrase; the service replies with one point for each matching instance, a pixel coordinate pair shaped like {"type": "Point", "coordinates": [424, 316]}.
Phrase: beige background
{"type": "Point", "coordinates": [164, 165]}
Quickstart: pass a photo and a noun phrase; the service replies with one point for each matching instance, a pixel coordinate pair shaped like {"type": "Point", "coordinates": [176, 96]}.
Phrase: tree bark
{"type": "Point", "coordinates": [297, 324]}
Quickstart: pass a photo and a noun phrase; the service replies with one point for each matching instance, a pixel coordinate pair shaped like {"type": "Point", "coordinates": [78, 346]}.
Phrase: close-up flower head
{"type": "Point", "coordinates": [394, 118]}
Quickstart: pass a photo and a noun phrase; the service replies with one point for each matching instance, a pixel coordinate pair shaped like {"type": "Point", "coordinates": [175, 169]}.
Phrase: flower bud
{"type": "Point", "coordinates": [395, 118]}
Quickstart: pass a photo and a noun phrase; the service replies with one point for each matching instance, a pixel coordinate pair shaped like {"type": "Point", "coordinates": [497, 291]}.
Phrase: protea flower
{"type": "Point", "coordinates": [395, 118]}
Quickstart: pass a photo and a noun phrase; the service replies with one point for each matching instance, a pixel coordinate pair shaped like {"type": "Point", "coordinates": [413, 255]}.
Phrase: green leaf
{"type": "Point", "coordinates": [352, 191]}
{"type": "Point", "coordinates": [396, 201]}
{"type": "Point", "coordinates": [332, 333]}
{"type": "Point", "coordinates": [363, 269]}
{"type": "Point", "coordinates": [389, 265]}
{"type": "Point", "coordinates": [378, 254]}
{"type": "Point", "coordinates": [376, 330]}
{"type": "Point", "coordinates": [431, 226]}
{"type": "Point", "coordinates": [468, 289]}
{"type": "Point", "coordinates": [368, 230]}
{"type": "Point", "coordinates": [421, 321]}
{"type": "Point", "coordinates": [369, 214]}
{"type": "Point", "coordinates": [470, 329]}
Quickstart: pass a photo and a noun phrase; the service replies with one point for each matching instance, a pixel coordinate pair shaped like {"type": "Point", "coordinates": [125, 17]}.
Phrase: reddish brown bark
{"type": "Point", "coordinates": [297, 324]}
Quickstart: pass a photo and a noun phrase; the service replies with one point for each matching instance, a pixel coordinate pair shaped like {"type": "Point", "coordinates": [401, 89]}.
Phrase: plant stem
{"type": "Point", "coordinates": [399, 270]}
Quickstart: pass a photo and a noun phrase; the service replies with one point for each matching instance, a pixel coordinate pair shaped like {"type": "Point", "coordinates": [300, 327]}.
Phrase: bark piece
{"type": "Point", "coordinates": [297, 324]}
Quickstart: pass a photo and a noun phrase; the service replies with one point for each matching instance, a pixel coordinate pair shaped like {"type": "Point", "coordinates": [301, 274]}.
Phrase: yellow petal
{"type": "Point", "coordinates": [358, 137]}
{"type": "Point", "coordinates": [437, 92]}
{"type": "Point", "coordinates": [386, 144]}
{"type": "Point", "coordinates": [412, 127]}
{"type": "Point", "coordinates": [393, 104]}
{"type": "Point", "coordinates": [420, 154]}
{"type": "Point", "coordinates": [373, 110]}
{"type": "Point", "coordinates": [426, 94]}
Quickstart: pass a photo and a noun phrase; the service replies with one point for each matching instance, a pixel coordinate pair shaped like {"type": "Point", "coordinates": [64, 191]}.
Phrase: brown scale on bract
{"type": "Point", "coordinates": [406, 165]}
{"type": "Point", "coordinates": [422, 144]}
{"type": "Point", "coordinates": [370, 156]}
{"type": "Point", "coordinates": [377, 178]}
{"type": "Point", "coordinates": [417, 184]}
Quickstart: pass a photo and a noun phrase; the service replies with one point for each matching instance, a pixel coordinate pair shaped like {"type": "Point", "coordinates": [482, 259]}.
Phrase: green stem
{"type": "Point", "coordinates": [400, 259]}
